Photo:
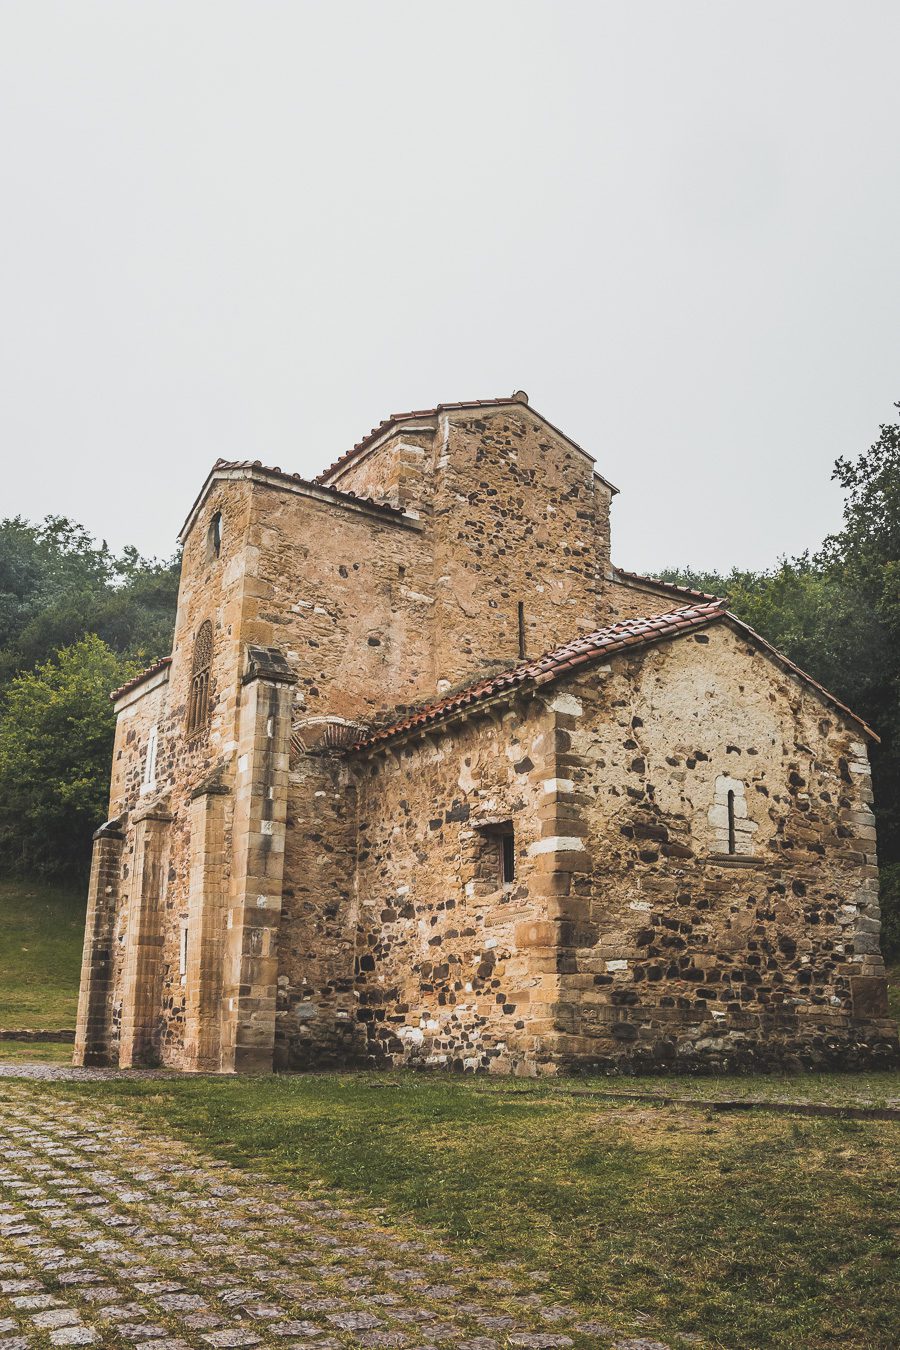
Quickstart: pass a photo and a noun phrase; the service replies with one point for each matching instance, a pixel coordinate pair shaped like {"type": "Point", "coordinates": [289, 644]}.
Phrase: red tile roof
{"type": "Point", "coordinates": [597, 646]}
{"type": "Point", "coordinates": [593, 647]}
{"type": "Point", "coordinates": [135, 680]}
{"type": "Point", "coordinates": [396, 419]}
{"type": "Point", "coordinates": [669, 586]}
{"type": "Point", "coordinates": [392, 512]}
{"type": "Point", "coordinates": [308, 482]}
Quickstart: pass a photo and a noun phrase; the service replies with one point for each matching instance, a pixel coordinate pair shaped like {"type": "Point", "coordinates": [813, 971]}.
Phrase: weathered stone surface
{"type": "Point", "coordinates": [663, 859]}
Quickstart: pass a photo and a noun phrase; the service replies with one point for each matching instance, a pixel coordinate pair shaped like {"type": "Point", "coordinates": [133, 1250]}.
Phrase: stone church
{"type": "Point", "coordinates": [427, 780]}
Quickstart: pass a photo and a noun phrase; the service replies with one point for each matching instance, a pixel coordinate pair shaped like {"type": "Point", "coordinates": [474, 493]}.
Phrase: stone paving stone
{"type": "Point", "coordinates": [74, 1336]}
{"type": "Point", "coordinates": [327, 1344]}
{"type": "Point", "coordinates": [55, 1317]}
{"type": "Point", "coordinates": [353, 1321]}
{"type": "Point", "coordinates": [229, 1339]}
{"type": "Point", "coordinates": [295, 1328]}
{"type": "Point", "coordinates": [640, 1344]}
{"type": "Point", "coordinates": [101, 1293]}
{"type": "Point", "coordinates": [156, 1198]}
{"type": "Point", "coordinates": [539, 1340]}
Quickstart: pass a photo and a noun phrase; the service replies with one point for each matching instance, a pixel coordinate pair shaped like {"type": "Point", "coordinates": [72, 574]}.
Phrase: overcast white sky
{"type": "Point", "coordinates": [255, 229]}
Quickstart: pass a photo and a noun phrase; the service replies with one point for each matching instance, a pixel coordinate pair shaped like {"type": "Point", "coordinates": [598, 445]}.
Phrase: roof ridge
{"type": "Point", "coordinates": [306, 482]}
{"type": "Point", "coordinates": [396, 419]}
{"type": "Point", "coordinates": [603, 642]}
{"type": "Point", "coordinates": [672, 586]}
{"type": "Point", "coordinates": [142, 675]}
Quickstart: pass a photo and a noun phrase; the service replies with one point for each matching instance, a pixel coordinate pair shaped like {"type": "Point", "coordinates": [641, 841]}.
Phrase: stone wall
{"type": "Point", "coordinates": [767, 956]}
{"type": "Point", "coordinates": [519, 516]}
{"type": "Point", "coordinates": [268, 888]}
{"type": "Point", "coordinates": [339, 590]}
{"type": "Point", "coordinates": [212, 588]}
{"type": "Point", "coordinates": [512, 512]}
{"type": "Point", "coordinates": [316, 1022]}
{"type": "Point", "coordinates": [443, 978]}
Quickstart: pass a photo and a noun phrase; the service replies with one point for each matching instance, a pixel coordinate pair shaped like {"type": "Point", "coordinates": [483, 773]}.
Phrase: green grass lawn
{"type": "Point", "coordinates": [34, 1052]}
{"type": "Point", "coordinates": [747, 1232]}
{"type": "Point", "coordinates": [41, 934]}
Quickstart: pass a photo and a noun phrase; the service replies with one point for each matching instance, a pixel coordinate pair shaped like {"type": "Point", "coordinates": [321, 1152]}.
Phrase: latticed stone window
{"type": "Point", "coordinates": [198, 702]}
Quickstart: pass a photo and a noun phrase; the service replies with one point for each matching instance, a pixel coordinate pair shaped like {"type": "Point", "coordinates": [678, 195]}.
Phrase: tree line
{"type": "Point", "coordinates": [77, 620]}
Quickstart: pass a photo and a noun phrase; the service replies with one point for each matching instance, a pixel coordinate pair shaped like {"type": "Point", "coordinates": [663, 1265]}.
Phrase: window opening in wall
{"type": "Point", "coordinates": [149, 779]}
{"type": "Point", "coordinates": [199, 696]}
{"type": "Point", "coordinates": [496, 860]}
{"type": "Point", "coordinates": [214, 537]}
{"type": "Point", "coordinates": [521, 630]}
{"type": "Point", "coordinates": [182, 952]}
{"type": "Point", "coordinates": [507, 856]}
{"type": "Point", "coordinates": [732, 846]}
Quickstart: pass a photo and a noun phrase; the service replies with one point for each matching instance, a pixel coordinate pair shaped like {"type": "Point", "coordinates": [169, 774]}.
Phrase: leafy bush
{"type": "Point", "coordinates": [56, 738]}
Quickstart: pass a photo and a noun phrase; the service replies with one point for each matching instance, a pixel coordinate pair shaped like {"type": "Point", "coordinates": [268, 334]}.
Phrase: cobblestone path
{"type": "Point", "coordinates": [111, 1236]}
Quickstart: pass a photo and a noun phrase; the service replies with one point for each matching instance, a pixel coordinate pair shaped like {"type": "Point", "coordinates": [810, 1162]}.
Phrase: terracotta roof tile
{"type": "Point", "coordinates": [664, 585]}
{"type": "Point", "coordinates": [307, 482]}
{"type": "Point", "coordinates": [396, 419]}
{"type": "Point", "coordinates": [597, 646]}
{"type": "Point", "coordinates": [594, 646]}
{"type": "Point", "coordinates": [135, 680]}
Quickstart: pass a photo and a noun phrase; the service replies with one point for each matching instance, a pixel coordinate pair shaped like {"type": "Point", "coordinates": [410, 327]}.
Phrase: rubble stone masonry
{"type": "Point", "coordinates": [666, 859]}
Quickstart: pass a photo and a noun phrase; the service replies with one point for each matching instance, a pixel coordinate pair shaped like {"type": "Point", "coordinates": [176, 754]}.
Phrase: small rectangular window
{"type": "Point", "coordinates": [496, 858]}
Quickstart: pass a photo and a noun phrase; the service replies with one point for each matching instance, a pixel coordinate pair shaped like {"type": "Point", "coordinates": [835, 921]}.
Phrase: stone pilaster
{"type": "Point", "coordinates": [563, 863]}
{"type": "Point", "coordinates": [207, 912]}
{"type": "Point", "coordinates": [868, 983]}
{"type": "Point", "coordinates": [260, 813]}
{"type": "Point", "coordinates": [138, 1044]}
{"type": "Point", "coordinates": [92, 1034]}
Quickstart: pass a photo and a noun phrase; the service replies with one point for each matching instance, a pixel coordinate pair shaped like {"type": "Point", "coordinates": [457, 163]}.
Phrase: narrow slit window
{"type": "Point", "coordinates": [732, 848]}
{"type": "Point", "coordinates": [521, 631]}
{"type": "Point", "coordinates": [149, 780]}
{"type": "Point", "coordinates": [182, 951]}
{"type": "Point", "coordinates": [507, 857]}
{"type": "Point", "coordinates": [214, 537]}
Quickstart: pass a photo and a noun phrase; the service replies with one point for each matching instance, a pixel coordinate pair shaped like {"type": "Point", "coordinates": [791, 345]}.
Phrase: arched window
{"type": "Point", "coordinates": [214, 537]}
{"type": "Point", "coordinates": [732, 842]}
{"type": "Point", "coordinates": [199, 696]}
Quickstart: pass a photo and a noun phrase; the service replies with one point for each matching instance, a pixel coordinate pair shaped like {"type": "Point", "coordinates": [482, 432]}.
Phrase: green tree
{"type": "Point", "coordinates": [56, 737]}
{"type": "Point", "coordinates": [56, 585]}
